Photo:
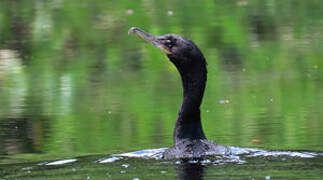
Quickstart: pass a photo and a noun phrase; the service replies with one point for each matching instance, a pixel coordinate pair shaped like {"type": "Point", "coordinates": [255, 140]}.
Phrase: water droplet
{"type": "Point", "coordinates": [207, 110]}
{"type": "Point", "coordinates": [170, 13]}
{"type": "Point", "coordinates": [206, 161]}
{"type": "Point", "coordinates": [27, 168]}
{"type": "Point", "coordinates": [193, 161]}
{"type": "Point", "coordinates": [125, 165]}
{"type": "Point", "coordinates": [88, 177]}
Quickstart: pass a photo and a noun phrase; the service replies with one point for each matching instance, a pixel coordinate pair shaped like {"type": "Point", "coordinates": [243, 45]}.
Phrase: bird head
{"type": "Point", "coordinates": [182, 52]}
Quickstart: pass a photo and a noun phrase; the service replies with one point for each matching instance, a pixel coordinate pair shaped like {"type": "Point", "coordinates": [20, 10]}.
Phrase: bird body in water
{"type": "Point", "coordinates": [189, 138]}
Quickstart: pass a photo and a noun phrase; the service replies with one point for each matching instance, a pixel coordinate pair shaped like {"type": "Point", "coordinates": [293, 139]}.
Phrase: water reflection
{"type": "Point", "coordinates": [190, 171]}
{"type": "Point", "coordinates": [72, 80]}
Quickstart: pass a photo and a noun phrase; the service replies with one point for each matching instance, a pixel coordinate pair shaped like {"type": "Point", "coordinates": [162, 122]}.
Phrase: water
{"type": "Point", "coordinates": [241, 163]}
{"type": "Point", "coordinates": [75, 86]}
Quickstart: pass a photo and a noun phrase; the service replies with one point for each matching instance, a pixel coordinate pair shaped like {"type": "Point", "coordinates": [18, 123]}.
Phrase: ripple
{"type": "Point", "coordinates": [109, 160]}
{"type": "Point", "coordinates": [61, 162]}
{"type": "Point", "coordinates": [234, 155]}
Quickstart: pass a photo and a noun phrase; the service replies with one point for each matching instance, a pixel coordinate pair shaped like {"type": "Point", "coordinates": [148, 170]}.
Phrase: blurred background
{"type": "Point", "coordinates": [72, 81]}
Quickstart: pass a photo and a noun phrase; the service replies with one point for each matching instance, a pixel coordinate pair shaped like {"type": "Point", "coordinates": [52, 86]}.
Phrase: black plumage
{"type": "Point", "coordinates": [189, 137]}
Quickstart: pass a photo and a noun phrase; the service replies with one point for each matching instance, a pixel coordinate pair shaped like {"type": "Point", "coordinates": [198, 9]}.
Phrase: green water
{"type": "Point", "coordinates": [269, 168]}
{"type": "Point", "coordinates": [73, 83]}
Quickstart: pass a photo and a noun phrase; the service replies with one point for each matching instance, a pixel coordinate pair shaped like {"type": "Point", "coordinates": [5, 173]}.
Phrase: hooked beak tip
{"type": "Point", "coordinates": [132, 30]}
{"type": "Point", "coordinates": [149, 38]}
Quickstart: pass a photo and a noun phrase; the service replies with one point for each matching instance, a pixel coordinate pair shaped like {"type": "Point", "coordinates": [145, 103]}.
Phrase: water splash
{"type": "Point", "coordinates": [234, 155]}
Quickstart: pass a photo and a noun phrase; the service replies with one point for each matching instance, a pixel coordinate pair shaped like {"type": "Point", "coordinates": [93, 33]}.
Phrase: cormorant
{"type": "Point", "coordinates": [189, 138]}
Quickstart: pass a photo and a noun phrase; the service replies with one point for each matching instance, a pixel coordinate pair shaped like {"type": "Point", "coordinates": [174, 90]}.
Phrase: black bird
{"type": "Point", "coordinates": [189, 138]}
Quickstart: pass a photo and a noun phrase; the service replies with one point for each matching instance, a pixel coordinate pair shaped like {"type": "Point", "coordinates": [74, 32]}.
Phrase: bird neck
{"type": "Point", "coordinates": [188, 123]}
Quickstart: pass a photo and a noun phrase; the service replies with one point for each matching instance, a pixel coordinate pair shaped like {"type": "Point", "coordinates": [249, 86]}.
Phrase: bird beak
{"type": "Point", "coordinates": [149, 38]}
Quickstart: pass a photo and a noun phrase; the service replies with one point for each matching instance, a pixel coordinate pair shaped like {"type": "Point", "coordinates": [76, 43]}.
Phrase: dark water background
{"type": "Point", "coordinates": [73, 83]}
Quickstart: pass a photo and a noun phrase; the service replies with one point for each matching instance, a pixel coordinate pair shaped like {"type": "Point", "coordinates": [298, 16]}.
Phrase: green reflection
{"type": "Point", "coordinates": [72, 81]}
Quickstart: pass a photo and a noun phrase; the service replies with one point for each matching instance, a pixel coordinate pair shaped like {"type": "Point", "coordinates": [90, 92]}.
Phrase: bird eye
{"type": "Point", "coordinates": [169, 43]}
